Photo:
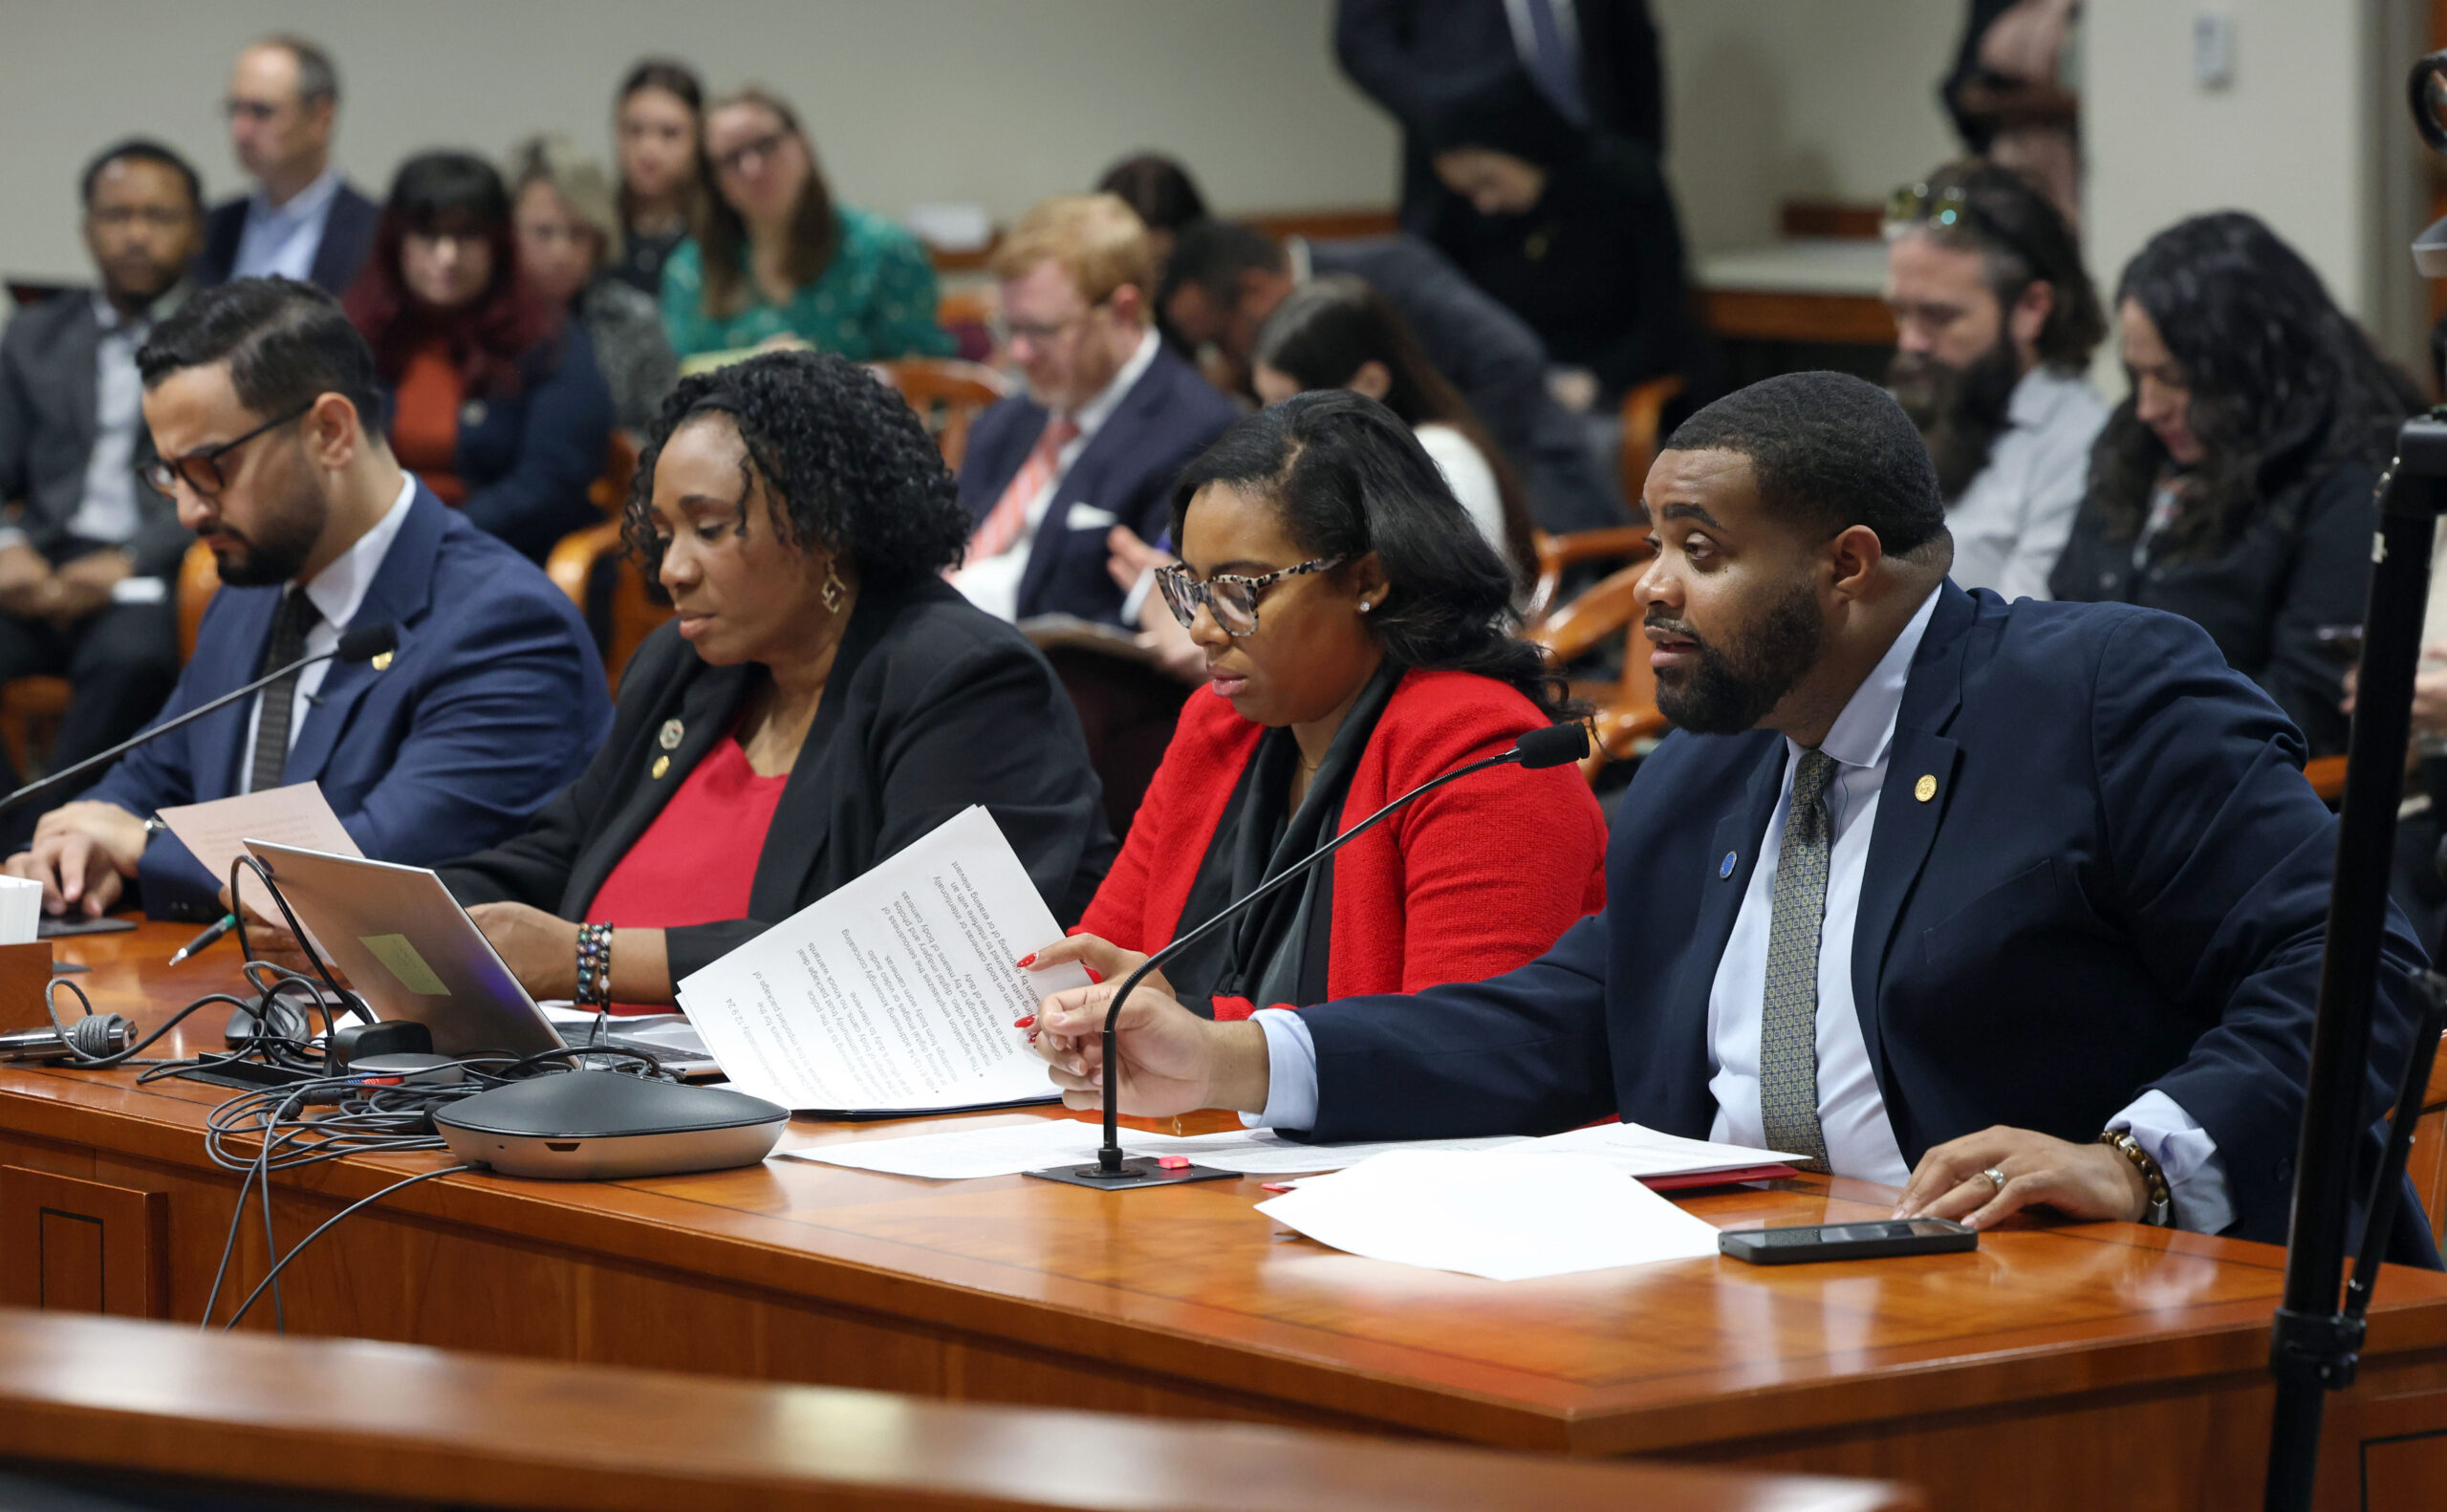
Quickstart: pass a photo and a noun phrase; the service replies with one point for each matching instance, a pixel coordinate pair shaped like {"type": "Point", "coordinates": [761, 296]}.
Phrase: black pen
{"type": "Point", "coordinates": [228, 922]}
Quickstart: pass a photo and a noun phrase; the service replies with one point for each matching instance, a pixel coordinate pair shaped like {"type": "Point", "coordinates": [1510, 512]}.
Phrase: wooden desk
{"type": "Point", "coordinates": [398, 1421]}
{"type": "Point", "coordinates": [1810, 290]}
{"type": "Point", "coordinates": [2106, 1364]}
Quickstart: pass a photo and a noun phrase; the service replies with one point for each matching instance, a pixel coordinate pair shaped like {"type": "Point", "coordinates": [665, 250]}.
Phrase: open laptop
{"type": "Point", "coordinates": [412, 953]}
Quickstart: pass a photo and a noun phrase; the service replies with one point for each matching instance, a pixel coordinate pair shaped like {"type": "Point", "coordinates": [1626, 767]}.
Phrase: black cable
{"type": "Point", "coordinates": [325, 1226]}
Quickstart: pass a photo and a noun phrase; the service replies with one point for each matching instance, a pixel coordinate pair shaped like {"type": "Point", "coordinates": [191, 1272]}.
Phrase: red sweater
{"type": "Point", "coordinates": [1468, 882]}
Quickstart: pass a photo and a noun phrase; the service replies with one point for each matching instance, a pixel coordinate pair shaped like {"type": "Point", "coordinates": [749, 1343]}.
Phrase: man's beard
{"type": "Point", "coordinates": [1733, 687]}
{"type": "Point", "coordinates": [1960, 411]}
{"type": "Point", "coordinates": [278, 548]}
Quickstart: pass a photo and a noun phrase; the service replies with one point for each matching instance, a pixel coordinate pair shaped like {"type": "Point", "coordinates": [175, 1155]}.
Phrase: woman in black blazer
{"type": "Point", "coordinates": [822, 699]}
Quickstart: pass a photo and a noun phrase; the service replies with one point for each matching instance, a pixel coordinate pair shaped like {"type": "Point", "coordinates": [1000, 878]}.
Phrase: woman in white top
{"type": "Point", "coordinates": [1337, 331]}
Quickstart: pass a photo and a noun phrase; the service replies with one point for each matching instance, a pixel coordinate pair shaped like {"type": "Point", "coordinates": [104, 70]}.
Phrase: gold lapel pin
{"type": "Point", "coordinates": [669, 739]}
{"type": "Point", "coordinates": [382, 662]}
{"type": "Point", "coordinates": [661, 765]}
{"type": "Point", "coordinates": [1925, 789]}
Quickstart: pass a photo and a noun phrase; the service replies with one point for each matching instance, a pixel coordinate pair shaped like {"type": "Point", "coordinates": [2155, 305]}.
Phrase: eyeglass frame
{"type": "Point", "coordinates": [764, 146]}
{"type": "Point", "coordinates": [1173, 577]}
{"type": "Point", "coordinates": [1004, 333]}
{"type": "Point", "coordinates": [175, 468]}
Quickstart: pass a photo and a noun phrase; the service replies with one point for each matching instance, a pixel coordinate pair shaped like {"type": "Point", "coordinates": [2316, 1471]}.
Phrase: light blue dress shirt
{"type": "Point", "coordinates": [283, 239]}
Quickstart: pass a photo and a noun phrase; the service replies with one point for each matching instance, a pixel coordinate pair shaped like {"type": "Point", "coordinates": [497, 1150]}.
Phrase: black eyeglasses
{"type": "Point", "coordinates": [200, 470]}
{"type": "Point", "coordinates": [735, 160]}
{"type": "Point", "coordinates": [1229, 597]}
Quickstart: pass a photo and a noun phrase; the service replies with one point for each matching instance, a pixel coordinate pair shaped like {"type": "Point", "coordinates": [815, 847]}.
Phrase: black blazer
{"type": "Point", "coordinates": [933, 706]}
{"type": "Point", "coordinates": [348, 236]}
{"type": "Point", "coordinates": [1124, 476]}
{"type": "Point", "coordinates": [2096, 869]}
{"type": "Point", "coordinates": [49, 422]}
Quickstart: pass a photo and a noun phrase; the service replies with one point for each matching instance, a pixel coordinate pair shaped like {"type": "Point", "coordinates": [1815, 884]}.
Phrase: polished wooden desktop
{"type": "Point", "coordinates": [152, 1407]}
{"type": "Point", "coordinates": [2059, 1365]}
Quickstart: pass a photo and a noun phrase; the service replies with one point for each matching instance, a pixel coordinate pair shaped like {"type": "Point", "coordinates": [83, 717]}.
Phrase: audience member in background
{"type": "Point", "coordinates": [658, 126]}
{"type": "Point", "coordinates": [1107, 422]}
{"type": "Point", "coordinates": [1226, 278]}
{"type": "Point", "coordinates": [1573, 230]}
{"type": "Point", "coordinates": [496, 401]}
{"type": "Point", "coordinates": [1995, 320]}
{"type": "Point", "coordinates": [1594, 62]}
{"type": "Point", "coordinates": [775, 258]}
{"type": "Point", "coordinates": [2234, 486]}
{"type": "Point", "coordinates": [1354, 625]}
{"type": "Point", "coordinates": [2012, 94]}
{"type": "Point", "coordinates": [1166, 199]}
{"type": "Point", "coordinates": [1336, 332]}
{"type": "Point", "coordinates": [86, 564]}
{"type": "Point", "coordinates": [569, 238]}
{"type": "Point", "coordinates": [1930, 888]}
{"type": "Point", "coordinates": [303, 220]}
{"type": "Point", "coordinates": [258, 395]}
{"type": "Point", "coordinates": [822, 701]}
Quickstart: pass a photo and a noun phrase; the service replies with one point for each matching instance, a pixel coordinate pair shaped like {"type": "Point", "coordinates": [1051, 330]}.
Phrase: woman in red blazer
{"type": "Point", "coordinates": [1356, 632]}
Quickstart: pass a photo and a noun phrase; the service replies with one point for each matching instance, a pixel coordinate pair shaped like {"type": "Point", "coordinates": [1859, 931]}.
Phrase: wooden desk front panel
{"type": "Point", "coordinates": [2101, 1361]}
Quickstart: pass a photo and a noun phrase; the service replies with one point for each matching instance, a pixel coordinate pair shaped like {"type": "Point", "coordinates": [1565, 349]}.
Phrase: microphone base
{"type": "Point", "coordinates": [1138, 1172]}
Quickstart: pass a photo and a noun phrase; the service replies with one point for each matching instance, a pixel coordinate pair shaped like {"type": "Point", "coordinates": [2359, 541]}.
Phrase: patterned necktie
{"type": "Point", "coordinates": [290, 623]}
{"type": "Point", "coordinates": [1002, 526]}
{"type": "Point", "coordinates": [1789, 1018]}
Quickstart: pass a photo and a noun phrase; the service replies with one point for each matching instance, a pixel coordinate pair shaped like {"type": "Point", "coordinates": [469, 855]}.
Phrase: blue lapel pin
{"type": "Point", "coordinates": [1724, 868]}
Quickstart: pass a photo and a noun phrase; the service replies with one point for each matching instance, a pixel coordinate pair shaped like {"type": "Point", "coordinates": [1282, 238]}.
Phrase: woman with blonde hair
{"type": "Point", "coordinates": [568, 224]}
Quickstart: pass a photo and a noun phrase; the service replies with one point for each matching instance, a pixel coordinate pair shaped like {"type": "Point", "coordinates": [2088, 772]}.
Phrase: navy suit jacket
{"type": "Point", "coordinates": [348, 236]}
{"type": "Point", "coordinates": [1124, 476]}
{"type": "Point", "coordinates": [2120, 883]}
{"type": "Point", "coordinates": [493, 701]}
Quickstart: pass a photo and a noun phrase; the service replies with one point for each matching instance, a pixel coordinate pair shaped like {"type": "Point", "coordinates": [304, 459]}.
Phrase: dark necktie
{"type": "Point", "coordinates": [1788, 1016]}
{"type": "Point", "coordinates": [290, 623]}
{"type": "Point", "coordinates": [1554, 61]}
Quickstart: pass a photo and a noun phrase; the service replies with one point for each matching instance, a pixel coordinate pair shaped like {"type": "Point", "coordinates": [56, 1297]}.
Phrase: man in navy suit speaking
{"type": "Point", "coordinates": [265, 417]}
{"type": "Point", "coordinates": [1999, 904]}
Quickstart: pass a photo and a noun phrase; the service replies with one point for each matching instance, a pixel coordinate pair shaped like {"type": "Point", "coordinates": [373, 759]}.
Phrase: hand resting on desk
{"type": "Point", "coordinates": [83, 854]}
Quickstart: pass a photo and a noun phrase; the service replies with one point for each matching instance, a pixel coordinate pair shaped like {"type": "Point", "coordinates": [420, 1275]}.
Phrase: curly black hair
{"type": "Point", "coordinates": [848, 462]}
{"type": "Point", "coordinates": [1348, 478]}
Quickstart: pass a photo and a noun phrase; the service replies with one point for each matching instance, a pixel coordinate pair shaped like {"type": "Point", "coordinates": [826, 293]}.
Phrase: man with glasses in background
{"type": "Point", "coordinates": [303, 220]}
{"type": "Point", "coordinates": [1995, 321]}
{"type": "Point", "coordinates": [1108, 422]}
{"type": "Point", "coordinates": [261, 401]}
{"type": "Point", "coordinates": [86, 562]}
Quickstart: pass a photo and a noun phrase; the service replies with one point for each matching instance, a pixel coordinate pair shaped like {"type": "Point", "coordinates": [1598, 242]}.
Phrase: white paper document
{"type": "Point", "coordinates": [1512, 1214]}
{"type": "Point", "coordinates": [895, 993]}
{"type": "Point", "coordinates": [1636, 1150]}
{"type": "Point", "coordinates": [1008, 1149]}
{"type": "Point", "coordinates": [217, 833]}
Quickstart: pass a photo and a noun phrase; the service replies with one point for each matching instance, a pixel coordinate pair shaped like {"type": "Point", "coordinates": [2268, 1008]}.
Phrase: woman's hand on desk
{"type": "Point", "coordinates": [2079, 1181]}
{"type": "Point", "coordinates": [1172, 1061]}
{"type": "Point", "coordinates": [1105, 961]}
{"type": "Point", "coordinates": [540, 949]}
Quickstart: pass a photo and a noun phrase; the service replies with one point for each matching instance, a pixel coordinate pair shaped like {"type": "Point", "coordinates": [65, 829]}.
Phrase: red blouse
{"type": "Point", "coordinates": [697, 862]}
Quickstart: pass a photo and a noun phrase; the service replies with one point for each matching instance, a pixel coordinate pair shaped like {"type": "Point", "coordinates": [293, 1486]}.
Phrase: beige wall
{"type": "Point", "coordinates": [995, 101]}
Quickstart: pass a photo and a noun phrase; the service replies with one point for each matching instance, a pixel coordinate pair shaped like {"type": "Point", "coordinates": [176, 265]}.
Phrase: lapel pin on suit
{"type": "Point", "coordinates": [382, 662]}
{"type": "Point", "coordinates": [1724, 868]}
{"type": "Point", "coordinates": [669, 738]}
{"type": "Point", "coordinates": [1925, 789]}
{"type": "Point", "coordinates": [661, 765]}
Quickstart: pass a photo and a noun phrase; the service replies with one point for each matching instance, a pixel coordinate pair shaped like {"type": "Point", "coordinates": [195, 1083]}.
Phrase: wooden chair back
{"type": "Point", "coordinates": [1627, 720]}
{"type": "Point", "coordinates": [610, 494]}
{"type": "Point", "coordinates": [947, 393]}
{"type": "Point", "coordinates": [2427, 1165]}
{"type": "Point", "coordinates": [199, 579]}
{"type": "Point", "coordinates": [1643, 424]}
{"type": "Point", "coordinates": [594, 567]}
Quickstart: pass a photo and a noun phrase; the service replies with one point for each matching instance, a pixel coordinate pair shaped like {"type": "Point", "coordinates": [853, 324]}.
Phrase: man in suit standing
{"type": "Point", "coordinates": [1109, 419]}
{"type": "Point", "coordinates": [303, 220]}
{"type": "Point", "coordinates": [85, 567]}
{"type": "Point", "coordinates": [1225, 278]}
{"type": "Point", "coordinates": [260, 395]}
{"type": "Point", "coordinates": [1998, 904]}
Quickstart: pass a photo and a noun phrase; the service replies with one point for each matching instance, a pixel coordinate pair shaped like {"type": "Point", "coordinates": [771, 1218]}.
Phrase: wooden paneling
{"type": "Point", "coordinates": [1745, 314]}
{"type": "Point", "coordinates": [82, 1247]}
{"type": "Point", "coordinates": [2059, 1365]}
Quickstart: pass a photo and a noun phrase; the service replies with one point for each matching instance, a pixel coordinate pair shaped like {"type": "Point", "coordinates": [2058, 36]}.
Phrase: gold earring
{"type": "Point", "coordinates": [833, 591]}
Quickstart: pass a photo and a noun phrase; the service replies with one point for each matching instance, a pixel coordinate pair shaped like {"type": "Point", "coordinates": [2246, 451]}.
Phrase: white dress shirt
{"type": "Point", "coordinates": [283, 239]}
{"type": "Point", "coordinates": [1472, 480]}
{"type": "Point", "coordinates": [993, 584]}
{"type": "Point", "coordinates": [1852, 1110]}
{"type": "Point", "coordinates": [2011, 522]}
{"type": "Point", "coordinates": [338, 591]}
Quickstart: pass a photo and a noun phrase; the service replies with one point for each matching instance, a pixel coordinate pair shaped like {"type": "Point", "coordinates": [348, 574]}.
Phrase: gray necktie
{"type": "Point", "coordinates": [1789, 1018]}
{"type": "Point", "coordinates": [290, 623]}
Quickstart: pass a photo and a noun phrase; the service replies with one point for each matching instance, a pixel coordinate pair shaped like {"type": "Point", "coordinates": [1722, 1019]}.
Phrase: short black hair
{"type": "Point", "coordinates": [1213, 254]}
{"type": "Point", "coordinates": [1158, 187]}
{"type": "Point", "coordinates": [316, 77]}
{"type": "Point", "coordinates": [846, 462]}
{"type": "Point", "coordinates": [1830, 449]}
{"type": "Point", "coordinates": [140, 149]}
{"type": "Point", "coordinates": [286, 342]}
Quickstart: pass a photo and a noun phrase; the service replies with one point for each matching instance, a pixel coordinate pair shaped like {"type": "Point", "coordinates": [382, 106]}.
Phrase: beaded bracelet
{"type": "Point", "coordinates": [594, 965]}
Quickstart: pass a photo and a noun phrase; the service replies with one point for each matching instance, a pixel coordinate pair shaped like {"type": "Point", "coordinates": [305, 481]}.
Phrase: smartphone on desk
{"type": "Point", "coordinates": [1863, 1241]}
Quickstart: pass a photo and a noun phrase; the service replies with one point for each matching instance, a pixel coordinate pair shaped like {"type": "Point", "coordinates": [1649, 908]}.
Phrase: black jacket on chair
{"type": "Point", "coordinates": [348, 236]}
{"type": "Point", "coordinates": [933, 706]}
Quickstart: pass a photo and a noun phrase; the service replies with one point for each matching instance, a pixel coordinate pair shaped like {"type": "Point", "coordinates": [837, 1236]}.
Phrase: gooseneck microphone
{"type": "Point", "coordinates": [361, 644]}
{"type": "Point", "coordinates": [1554, 745]}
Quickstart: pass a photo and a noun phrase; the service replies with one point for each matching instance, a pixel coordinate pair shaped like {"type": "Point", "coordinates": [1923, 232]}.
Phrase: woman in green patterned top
{"type": "Point", "coordinates": [777, 257]}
